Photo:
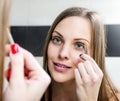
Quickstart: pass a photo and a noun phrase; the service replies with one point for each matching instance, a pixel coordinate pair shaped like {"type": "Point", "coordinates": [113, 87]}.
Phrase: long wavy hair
{"type": "Point", "coordinates": [5, 6]}
{"type": "Point", "coordinates": [98, 45]}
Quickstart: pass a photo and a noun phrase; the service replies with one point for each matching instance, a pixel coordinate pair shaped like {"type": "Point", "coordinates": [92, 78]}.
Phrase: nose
{"type": "Point", "coordinates": [65, 52]}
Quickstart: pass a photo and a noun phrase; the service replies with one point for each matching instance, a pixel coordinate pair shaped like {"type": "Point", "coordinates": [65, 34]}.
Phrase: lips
{"type": "Point", "coordinates": [61, 67]}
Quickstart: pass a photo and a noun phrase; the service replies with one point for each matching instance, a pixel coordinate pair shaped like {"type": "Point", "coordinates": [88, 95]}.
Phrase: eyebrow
{"type": "Point", "coordinates": [74, 39]}
{"type": "Point", "coordinates": [57, 33]}
{"type": "Point", "coordinates": [82, 39]}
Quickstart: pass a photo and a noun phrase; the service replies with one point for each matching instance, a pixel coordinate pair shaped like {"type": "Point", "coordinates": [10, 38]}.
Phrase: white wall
{"type": "Point", "coordinates": [43, 12]}
{"type": "Point", "coordinates": [113, 69]}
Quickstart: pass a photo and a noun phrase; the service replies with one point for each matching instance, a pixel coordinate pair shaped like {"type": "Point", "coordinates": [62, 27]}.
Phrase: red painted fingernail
{"type": "Point", "coordinates": [8, 74]}
{"type": "Point", "coordinates": [14, 48]}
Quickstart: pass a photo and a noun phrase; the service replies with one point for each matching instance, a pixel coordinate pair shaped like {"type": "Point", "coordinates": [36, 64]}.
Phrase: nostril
{"type": "Point", "coordinates": [63, 56]}
{"type": "Point", "coordinates": [64, 53]}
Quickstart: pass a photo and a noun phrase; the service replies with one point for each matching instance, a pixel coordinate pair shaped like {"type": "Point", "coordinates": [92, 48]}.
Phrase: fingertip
{"type": "Point", "coordinates": [14, 48]}
{"type": "Point", "coordinates": [85, 56]}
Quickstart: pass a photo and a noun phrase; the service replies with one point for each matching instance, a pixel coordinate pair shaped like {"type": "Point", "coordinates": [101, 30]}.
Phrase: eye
{"type": "Point", "coordinates": [80, 46]}
{"type": "Point", "coordinates": [56, 40]}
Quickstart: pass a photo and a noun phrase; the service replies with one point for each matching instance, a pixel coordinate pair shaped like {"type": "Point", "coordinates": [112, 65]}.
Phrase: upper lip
{"type": "Point", "coordinates": [61, 65]}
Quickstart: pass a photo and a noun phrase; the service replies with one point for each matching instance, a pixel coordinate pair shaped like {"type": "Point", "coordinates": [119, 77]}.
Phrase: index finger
{"type": "Point", "coordinates": [30, 61]}
{"type": "Point", "coordinates": [94, 64]}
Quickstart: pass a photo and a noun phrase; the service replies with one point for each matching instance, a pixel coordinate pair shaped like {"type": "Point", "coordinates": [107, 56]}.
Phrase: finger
{"type": "Point", "coordinates": [77, 77]}
{"type": "Point", "coordinates": [90, 70]}
{"type": "Point", "coordinates": [30, 61]}
{"type": "Point", "coordinates": [31, 66]}
{"type": "Point", "coordinates": [17, 64]}
{"type": "Point", "coordinates": [35, 71]}
{"type": "Point", "coordinates": [8, 72]}
{"type": "Point", "coordinates": [83, 73]}
{"type": "Point", "coordinates": [94, 64]}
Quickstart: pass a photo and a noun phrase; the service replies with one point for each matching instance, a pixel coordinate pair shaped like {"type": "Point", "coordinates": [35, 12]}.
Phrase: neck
{"type": "Point", "coordinates": [64, 91]}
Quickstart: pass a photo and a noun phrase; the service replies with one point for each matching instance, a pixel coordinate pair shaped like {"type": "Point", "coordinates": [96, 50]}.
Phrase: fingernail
{"type": "Point", "coordinates": [8, 74]}
{"type": "Point", "coordinates": [82, 57]}
{"type": "Point", "coordinates": [14, 48]}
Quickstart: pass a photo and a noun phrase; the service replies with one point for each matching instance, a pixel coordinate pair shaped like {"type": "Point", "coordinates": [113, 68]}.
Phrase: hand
{"type": "Point", "coordinates": [88, 77]}
{"type": "Point", "coordinates": [21, 87]}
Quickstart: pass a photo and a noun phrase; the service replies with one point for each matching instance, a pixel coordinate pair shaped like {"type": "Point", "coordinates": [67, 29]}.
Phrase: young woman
{"type": "Point", "coordinates": [74, 56]}
{"type": "Point", "coordinates": [27, 81]}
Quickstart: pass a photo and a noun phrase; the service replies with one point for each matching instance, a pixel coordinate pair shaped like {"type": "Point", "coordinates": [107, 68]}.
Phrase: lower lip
{"type": "Point", "coordinates": [60, 69]}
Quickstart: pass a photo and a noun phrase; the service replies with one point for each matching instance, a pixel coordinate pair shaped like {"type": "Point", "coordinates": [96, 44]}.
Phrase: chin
{"type": "Point", "coordinates": [61, 79]}
{"type": "Point", "coordinates": [58, 79]}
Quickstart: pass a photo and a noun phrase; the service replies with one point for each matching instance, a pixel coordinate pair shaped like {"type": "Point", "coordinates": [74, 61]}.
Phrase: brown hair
{"type": "Point", "coordinates": [98, 48]}
{"type": "Point", "coordinates": [4, 19]}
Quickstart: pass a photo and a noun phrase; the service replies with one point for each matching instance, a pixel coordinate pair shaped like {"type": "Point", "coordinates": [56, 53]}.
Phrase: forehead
{"type": "Point", "coordinates": [76, 26]}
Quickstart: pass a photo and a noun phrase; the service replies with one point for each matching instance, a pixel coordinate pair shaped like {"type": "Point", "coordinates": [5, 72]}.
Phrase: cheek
{"type": "Point", "coordinates": [90, 52]}
{"type": "Point", "coordinates": [52, 51]}
{"type": "Point", "coordinates": [50, 55]}
{"type": "Point", "coordinates": [75, 58]}
{"type": "Point", "coordinates": [49, 51]}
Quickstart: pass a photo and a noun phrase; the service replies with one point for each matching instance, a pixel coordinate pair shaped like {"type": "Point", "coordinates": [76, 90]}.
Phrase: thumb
{"type": "Point", "coordinates": [17, 64]}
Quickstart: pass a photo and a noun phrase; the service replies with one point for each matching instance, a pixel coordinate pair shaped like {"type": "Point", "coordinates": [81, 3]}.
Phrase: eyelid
{"type": "Point", "coordinates": [80, 43]}
{"type": "Point", "coordinates": [84, 45]}
{"type": "Point", "coordinates": [53, 37]}
{"type": "Point", "coordinates": [56, 37]}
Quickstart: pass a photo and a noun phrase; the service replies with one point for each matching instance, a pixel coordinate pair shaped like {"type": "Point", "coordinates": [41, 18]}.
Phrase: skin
{"type": "Point", "coordinates": [25, 88]}
{"type": "Point", "coordinates": [64, 49]}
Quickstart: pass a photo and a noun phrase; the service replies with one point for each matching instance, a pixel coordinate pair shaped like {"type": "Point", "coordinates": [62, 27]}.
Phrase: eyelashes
{"type": "Point", "coordinates": [81, 47]}
{"type": "Point", "coordinates": [56, 40]}
{"type": "Point", "coordinates": [78, 45]}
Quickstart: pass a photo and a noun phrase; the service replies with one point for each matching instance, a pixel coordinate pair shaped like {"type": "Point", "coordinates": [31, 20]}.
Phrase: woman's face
{"type": "Point", "coordinates": [69, 39]}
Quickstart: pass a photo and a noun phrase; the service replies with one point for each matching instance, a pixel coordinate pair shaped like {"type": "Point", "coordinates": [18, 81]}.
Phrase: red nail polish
{"type": "Point", "coordinates": [8, 74]}
{"type": "Point", "coordinates": [14, 48]}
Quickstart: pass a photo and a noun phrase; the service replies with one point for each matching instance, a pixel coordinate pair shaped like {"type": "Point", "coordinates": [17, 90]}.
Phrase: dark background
{"type": "Point", "coordinates": [32, 38]}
